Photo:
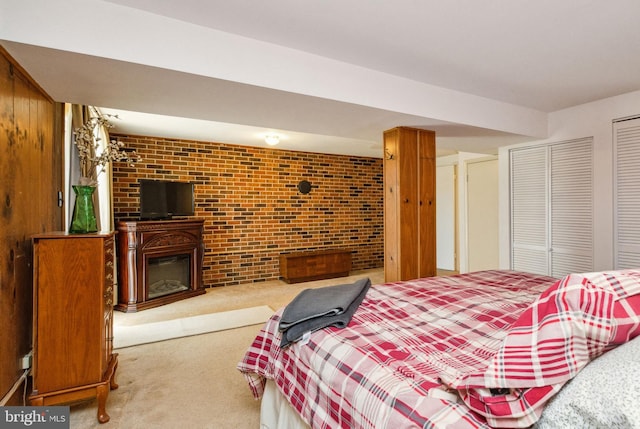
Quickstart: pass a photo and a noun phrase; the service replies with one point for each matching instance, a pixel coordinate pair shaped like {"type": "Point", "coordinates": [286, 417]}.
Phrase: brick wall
{"type": "Point", "coordinates": [252, 208]}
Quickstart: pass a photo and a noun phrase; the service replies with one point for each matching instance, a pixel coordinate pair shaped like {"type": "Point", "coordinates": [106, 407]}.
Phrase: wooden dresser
{"type": "Point", "coordinates": [73, 282]}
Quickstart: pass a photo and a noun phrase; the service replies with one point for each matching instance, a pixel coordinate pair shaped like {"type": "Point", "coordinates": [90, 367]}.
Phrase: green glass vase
{"type": "Point", "coordinates": [84, 213]}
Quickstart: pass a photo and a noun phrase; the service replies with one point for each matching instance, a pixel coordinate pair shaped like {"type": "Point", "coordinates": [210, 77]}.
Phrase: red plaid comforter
{"type": "Point", "coordinates": [435, 352]}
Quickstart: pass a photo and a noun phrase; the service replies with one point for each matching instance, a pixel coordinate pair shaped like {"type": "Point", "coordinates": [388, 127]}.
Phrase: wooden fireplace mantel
{"type": "Point", "coordinates": [140, 241]}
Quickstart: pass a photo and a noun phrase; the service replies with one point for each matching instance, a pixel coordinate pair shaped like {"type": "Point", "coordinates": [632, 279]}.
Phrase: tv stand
{"type": "Point", "coordinates": [159, 262]}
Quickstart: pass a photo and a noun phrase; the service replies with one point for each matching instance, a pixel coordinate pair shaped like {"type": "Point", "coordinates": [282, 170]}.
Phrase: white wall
{"type": "Point", "coordinates": [588, 120]}
{"type": "Point", "coordinates": [446, 217]}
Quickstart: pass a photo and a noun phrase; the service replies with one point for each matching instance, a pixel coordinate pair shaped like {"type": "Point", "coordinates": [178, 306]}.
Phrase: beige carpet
{"type": "Point", "coordinates": [192, 382]}
{"type": "Point", "coordinates": [189, 382]}
{"type": "Point", "coordinates": [133, 335]}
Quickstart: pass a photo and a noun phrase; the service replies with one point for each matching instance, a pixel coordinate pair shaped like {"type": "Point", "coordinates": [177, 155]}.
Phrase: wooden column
{"type": "Point", "coordinates": [409, 204]}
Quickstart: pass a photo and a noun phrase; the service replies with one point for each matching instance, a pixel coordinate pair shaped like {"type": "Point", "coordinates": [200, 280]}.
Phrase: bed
{"type": "Point", "coordinates": [477, 350]}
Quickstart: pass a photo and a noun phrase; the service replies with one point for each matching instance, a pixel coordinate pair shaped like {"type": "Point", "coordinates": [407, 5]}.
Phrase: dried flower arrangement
{"type": "Point", "coordinates": [93, 158]}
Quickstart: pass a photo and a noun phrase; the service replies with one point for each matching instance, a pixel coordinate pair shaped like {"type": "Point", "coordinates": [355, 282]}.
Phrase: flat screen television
{"type": "Point", "coordinates": [164, 199]}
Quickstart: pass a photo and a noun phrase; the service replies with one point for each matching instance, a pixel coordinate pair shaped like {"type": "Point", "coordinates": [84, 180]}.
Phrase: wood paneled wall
{"type": "Point", "coordinates": [30, 176]}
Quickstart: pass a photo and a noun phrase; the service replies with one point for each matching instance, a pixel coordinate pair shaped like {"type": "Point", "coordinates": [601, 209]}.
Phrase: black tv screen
{"type": "Point", "coordinates": [163, 199]}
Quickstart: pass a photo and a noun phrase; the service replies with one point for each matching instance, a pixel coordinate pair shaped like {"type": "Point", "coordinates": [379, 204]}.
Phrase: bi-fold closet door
{"type": "Point", "coordinates": [626, 135]}
{"type": "Point", "coordinates": [552, 208]}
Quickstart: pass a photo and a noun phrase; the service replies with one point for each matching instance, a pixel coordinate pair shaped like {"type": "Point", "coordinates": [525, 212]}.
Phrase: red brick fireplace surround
{"type": "Point", "coordinates": [252, 208]}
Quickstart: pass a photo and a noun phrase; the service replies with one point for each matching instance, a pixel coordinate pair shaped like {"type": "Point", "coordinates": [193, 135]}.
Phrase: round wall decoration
{"type": "Point", "coordinates": [304, 187]}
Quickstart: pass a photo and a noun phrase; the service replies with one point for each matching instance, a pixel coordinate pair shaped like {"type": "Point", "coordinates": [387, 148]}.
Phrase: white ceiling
{"type": "Point", "coordinates": [331, 75]}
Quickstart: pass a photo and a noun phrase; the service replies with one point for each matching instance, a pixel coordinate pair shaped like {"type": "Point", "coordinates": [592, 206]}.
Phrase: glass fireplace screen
{"type": "Point", "coordinates": [168, 274]}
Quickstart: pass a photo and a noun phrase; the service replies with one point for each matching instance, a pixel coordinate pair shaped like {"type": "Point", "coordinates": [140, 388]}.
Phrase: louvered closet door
{"type": "Point", "coordinates": [552, 208]}
{"type": "Point", "coordinates": [529, 246]}
{"type": "Point", "coordinates": [571, 207]}
{"type": "Point", "coordinates": [627, 193]}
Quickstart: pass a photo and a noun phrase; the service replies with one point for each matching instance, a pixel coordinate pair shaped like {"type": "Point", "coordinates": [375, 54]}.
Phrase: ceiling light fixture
{"type": "Point", "coordinates": [272, 139]}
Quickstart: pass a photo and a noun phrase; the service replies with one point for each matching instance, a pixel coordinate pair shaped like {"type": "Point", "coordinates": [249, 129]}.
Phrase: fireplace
{"type": "Point", "coordinates": [167, 275]}
{"type": "Point", "coordinates": [159, 262]}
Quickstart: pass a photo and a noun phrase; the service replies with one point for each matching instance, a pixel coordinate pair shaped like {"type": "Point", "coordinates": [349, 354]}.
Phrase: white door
{"type": "Point", "coordinates": [529, 212]}
{"type": "Point", "coordinates": [627, 193]}
{"type": "Point", "coordinates": [552, 208]}
{"type": "Point", "coordinates": [446, 217]}
{"type": "Point", "coordinates": [482, 215]}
